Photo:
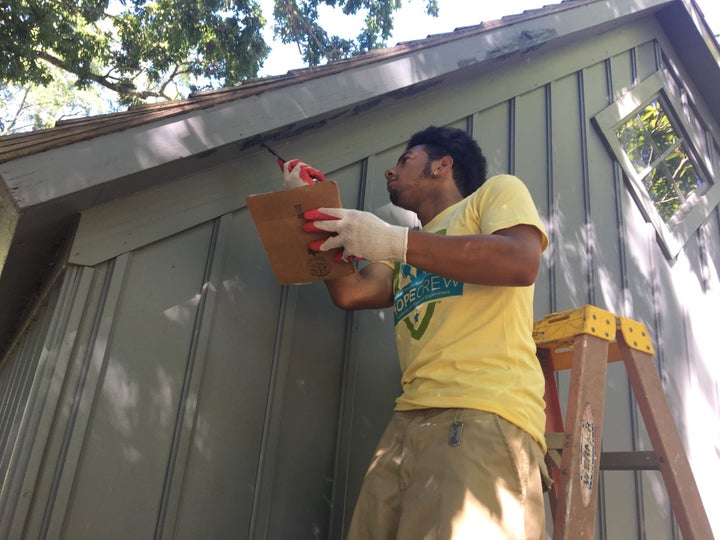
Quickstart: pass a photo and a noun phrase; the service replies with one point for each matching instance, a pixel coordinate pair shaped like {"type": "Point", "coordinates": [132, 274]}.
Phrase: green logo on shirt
{"type": "Point", "coordinates": [418, 290]}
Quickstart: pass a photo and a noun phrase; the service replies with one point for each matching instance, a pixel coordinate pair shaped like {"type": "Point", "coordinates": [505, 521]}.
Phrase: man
{"type": "Point", "coordinates": [462, 456]}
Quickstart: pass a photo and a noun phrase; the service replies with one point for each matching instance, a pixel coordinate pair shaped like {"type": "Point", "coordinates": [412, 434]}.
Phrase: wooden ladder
{"type": "Point", "coordinates": [584, 340]}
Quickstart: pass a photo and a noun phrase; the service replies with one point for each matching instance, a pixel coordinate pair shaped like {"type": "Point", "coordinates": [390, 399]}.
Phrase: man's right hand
{"type": "Point", "coordinates": [298, 174]}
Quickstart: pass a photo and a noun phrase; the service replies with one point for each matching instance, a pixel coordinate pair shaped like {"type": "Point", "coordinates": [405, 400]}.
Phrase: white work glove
{"type": "Point", "coordinates": [298, 174]}
{"type": "Point", "coordinates": [361, 234]}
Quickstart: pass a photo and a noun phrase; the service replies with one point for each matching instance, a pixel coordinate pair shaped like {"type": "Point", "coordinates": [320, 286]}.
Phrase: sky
{"type": "Point", "coordinates": [411, 22]}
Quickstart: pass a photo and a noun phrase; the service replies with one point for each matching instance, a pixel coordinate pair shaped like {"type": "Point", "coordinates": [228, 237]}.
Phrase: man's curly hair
{"type": "Point", "coordinates": [469, 164]}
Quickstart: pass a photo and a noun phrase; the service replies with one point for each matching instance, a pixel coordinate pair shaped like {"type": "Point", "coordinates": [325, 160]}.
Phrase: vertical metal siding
{"type": "Point", "coordinates": [37, 404]}
{"type": "Point", "coordinates": [185, 420]}
{"type": "Point", "coordinates": [645, 262]}
{"type": "Point", "coordinates": [551, 210]}
{"type": "Point", "coordinates": [76, 400]}
{"type": "Point", "coordinates": [15, 385]}
{"type": "Point", "coordinates": [142, 356]}
{"type": "Point", "coordinates": [235, 418]}
{"type": "Point", "coordinates": [530, 143]}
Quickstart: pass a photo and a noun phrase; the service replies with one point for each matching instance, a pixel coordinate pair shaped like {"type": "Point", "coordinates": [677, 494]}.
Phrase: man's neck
{"type": "Point", "coordinates": [432, 206]}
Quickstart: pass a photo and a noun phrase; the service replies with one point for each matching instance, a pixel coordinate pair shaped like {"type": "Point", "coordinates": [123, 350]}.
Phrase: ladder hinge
{"type": "Point", "coordinates": [559, 328]}
{"type": "Point", "coordinates": [556, 333]}
{"type": "Point", "coordinates": [636, 335]}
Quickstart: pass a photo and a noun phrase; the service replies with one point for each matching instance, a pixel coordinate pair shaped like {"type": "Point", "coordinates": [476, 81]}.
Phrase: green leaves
{"type": "Point", "coordinates": [296, 22]}
{"type": "Point", "coordinates": [137, 48]}
{"type": "Point", "coordinates": [659, 155]}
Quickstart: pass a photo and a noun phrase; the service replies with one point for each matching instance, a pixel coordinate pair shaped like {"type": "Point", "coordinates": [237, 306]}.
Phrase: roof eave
{"type": "Point", "coordinates": [696, 46]}
{"type": "Point", "coordinates": [60, 172]}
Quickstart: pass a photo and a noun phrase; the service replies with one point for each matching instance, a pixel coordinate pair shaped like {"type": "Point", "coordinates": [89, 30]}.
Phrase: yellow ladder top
{"type": "Point", "coordinates": [556, 333]}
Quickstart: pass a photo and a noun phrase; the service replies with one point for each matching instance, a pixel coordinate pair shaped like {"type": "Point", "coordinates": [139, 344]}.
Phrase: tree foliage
{"type": "Point", "coordinates": [297, 22]}
{"type": "Point", "coordinates": [146, 49]}
{"type": "Point", "coordinates": [133, 47]}
{"type": "Point", "coordinates": [659, 155]}
{"type": "Point", "coordinates": [34, 107]}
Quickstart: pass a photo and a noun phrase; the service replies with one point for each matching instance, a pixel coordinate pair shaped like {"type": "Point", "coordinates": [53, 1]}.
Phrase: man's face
{"type": "Point", "coordinates": [406, 179]}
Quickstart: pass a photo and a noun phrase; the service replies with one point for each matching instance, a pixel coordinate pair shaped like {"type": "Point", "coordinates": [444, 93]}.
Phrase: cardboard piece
{"type": "Point", "coordinates": [278, 218]}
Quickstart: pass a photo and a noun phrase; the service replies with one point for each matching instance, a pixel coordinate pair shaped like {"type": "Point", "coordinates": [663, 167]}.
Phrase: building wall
{"type": "Point", "coordinates": [178, 392]}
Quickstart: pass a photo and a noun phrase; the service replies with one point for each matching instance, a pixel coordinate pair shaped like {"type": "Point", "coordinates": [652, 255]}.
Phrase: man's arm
{"type": "Point", "coordinates": [368, 288]}
{"type": "Point", "coordinates": [509, 257]}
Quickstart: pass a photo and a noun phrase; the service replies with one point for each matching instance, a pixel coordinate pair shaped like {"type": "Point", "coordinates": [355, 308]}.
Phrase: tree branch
{"type": "Point", "coordinates": [299, 24]}
{"type": "Point", "coordinates": [121, 88]}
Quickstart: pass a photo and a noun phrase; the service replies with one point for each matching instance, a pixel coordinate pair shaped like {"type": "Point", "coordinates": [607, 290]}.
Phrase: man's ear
{"type": "Point", "coordinates": [444, 164]}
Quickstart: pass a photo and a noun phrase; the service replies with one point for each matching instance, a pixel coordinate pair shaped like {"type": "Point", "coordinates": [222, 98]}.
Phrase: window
{"type": "Point", "coordinates": [668, 157]}
{"type": "Point", "coordinates": [660, 158]}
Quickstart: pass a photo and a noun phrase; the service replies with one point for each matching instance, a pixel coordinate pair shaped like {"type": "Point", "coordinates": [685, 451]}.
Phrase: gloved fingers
{"type": "Point", "coordinates": [316, 245]}
{"type": "Point", "coordinates": [305, 172]}
{"type": "Point", "coordinates": [290, 170]}
{"type": "Point", "coordinates": [360, 234]}
{"type": "Point", "coordinates": [311, 175]}
{"type": "Point", "coordinates": [309, 226]}
{"type": "Point", "coordinates": [332, 213]}
{"type": "Point", "coordinates": [319, 214]}
{"type": "Point", "coordinates": [320, 220]}
{"type": "Point", "coordinates": [332, 226]}
{"type": "Point", "coordinates": [334, 220]}
{"type": "Point", "coordinates": [289, 166]}
{"type": "Point", "coordinates": [326, 244]}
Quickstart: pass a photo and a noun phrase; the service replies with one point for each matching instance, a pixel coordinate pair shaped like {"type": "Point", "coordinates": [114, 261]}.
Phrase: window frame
{"type": "Point", "coordinates": [692, 214]}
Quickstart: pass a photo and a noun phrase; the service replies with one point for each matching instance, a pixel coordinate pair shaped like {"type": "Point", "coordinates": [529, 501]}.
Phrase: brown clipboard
{"type": "Point", "coordinates": [278, 217]}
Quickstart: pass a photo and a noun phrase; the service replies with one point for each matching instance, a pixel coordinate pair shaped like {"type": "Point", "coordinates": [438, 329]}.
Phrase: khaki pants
{"type": "Point", "coordinates": [419, 486]}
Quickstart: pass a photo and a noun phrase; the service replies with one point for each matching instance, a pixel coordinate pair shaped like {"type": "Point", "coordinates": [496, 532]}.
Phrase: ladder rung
{"type": "Point", "coordinates": [609, 461]}
{"type": "Point", "coordinates": [629, 461]}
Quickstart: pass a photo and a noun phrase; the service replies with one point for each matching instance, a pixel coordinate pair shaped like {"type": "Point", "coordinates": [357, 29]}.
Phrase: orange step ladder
{"type": "Point", "coordinates": [584, 340]}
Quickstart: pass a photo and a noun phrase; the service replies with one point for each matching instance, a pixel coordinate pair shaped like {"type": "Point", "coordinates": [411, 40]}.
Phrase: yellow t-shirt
{"type": "Point", "coordinates": [462, 345]}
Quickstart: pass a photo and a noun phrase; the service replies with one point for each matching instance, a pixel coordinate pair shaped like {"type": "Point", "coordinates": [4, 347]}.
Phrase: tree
{"type": "Point", "coordinates": [135, 48]}
{"type": "Point", "coordinates": [34, 107]}
{"type": "Point", "coordinates": [144, 49]}
{"type": "Point", "coordinates": [659, 155]}
{"type": "Point", "coordinates": [298, 23]}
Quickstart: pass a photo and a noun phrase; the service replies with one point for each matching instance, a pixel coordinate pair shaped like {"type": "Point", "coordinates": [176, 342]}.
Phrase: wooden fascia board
{"type": "Point", "coordinates": [60, 172]}
{"type": "Point", "coordinates": [696, 48]}
{"type": "Point", "coordinates": [700, 26]}
{"type": "Point", "coordinates": [703, 28]}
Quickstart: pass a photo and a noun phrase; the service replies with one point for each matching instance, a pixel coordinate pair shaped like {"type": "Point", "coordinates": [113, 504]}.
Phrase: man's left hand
{"type": "Point", "coordinates": [361, 234]}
